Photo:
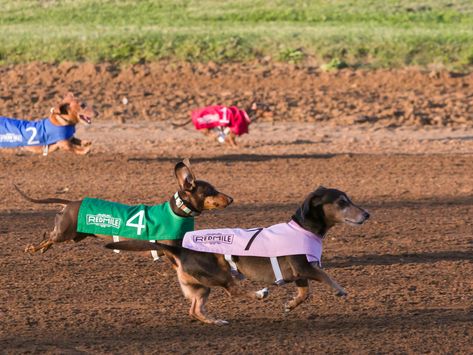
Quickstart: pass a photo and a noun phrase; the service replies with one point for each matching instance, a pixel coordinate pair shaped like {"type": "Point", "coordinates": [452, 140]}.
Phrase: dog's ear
{"type": "Point", "coordinates": [251, 110]}
{"type": "Point", "coordinates": [184, 175]}
{"type": "Point", "coordinates": [314, 199]}
{"type": "Point", "coordinates": [64, 108]}
{"type": "Point", "coordinates": [311, 215]}
{"type": "Point", "coordinates": [187, 162]}
{"type": "Point", "coordinates": [318, 196]}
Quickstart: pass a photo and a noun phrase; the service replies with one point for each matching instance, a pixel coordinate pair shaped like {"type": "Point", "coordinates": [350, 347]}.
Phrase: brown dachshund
{"type": "Point", "coordinates": [53, 133]}
{"type": "Point", "coordinates": [192, 198]}
{"type": "Point", "coordinates": [199, 271]}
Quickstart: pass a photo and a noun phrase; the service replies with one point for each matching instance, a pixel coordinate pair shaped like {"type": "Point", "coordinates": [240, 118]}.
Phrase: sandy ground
{"type": "Point", "coordinates": [408, 271]}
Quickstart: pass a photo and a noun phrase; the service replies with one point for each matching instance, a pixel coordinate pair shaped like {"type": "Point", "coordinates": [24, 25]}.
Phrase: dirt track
{"type": "Point", "coordinates": [408, 271]}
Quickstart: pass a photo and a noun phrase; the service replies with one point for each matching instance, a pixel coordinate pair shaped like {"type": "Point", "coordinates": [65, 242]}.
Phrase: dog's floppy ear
{"type": "Point", "coordinates": [314, 199]}
{"type": "Point", "coordinates": [311, 215]}
{"type": "Point", "coordinates": [319, 194]}
{"type": "Point", "coordinates": [187, 162]}
{"type": "Point", "coordinates": [184, 175]}
{"type": "Point", "coordinates": [61, 109]}
{"type": "Point", "coordinates": [64, 108]}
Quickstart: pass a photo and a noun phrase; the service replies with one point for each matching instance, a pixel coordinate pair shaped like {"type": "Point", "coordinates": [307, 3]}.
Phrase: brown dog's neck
{"type": "Point", "coordinates": [182, 207]}
{"type": "Point", "coordinates": [318, 227]}
{"type": "Point", "coordinates": [56, 122]}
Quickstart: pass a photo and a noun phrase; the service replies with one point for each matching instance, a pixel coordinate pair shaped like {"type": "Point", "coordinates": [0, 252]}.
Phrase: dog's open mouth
{"type": "Point", "coordinates": [355, 223]}
{"type": "Point", "coordinates": [85, 118]}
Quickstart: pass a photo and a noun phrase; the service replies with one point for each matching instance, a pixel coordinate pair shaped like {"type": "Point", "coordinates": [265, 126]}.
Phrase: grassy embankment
{"type": "Point", "coordinates": [361, 33]}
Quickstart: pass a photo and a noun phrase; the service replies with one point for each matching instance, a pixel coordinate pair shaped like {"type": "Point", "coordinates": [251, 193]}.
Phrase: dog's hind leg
{"type": "Point", "coordinates": [43, 246]}
{"type": "Point", "coordinates": [63, 231]}
{"type": "Point", "coordinates": [302, 294]}
{"type": "Point", "coordinates": [198, 295]}
{"type": "Point", "coordinates": [200, 311]}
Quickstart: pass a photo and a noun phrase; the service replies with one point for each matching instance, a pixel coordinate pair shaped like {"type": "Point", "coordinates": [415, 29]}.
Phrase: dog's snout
{"type": "Point", "coordinates": [366, 215]}
{"type": "Point", "coordinates": [230, 199]}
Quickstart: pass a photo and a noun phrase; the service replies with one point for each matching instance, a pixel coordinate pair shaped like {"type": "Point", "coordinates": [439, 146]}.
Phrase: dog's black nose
{"type": "Point", "coordinates": [230, 200]}
{"type": "Point", "coordinates": [366, 215]}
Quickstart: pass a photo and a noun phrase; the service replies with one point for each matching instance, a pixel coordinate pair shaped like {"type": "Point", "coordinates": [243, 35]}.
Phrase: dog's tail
{"type": "Point", "coordinates": [143, 245]}
{"type": "Point", "coordinates": [59, 201]}
{"type": "Point", "coordinates": [177, 125]}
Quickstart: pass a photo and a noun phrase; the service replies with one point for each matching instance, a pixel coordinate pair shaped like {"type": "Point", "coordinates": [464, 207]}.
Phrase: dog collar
{"type": "Point", "coordinates": [182, 206]}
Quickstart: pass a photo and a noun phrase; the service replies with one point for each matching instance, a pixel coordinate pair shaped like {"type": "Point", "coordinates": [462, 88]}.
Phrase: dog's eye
{"type": "Point", "coordinates": [343, 203]}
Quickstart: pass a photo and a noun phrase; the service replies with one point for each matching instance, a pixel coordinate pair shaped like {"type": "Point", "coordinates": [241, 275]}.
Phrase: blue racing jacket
{"type": "Point", "coordinates": [20, 133]}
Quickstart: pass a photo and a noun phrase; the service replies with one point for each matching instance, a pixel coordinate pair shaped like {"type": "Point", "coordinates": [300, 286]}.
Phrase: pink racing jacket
{"type": "Point", "coordinates": [221, 116]}
{"type": "Point", "coordinates": [278, 240]}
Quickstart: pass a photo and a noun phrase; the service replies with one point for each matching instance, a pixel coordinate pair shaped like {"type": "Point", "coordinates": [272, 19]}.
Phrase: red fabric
{"type": "Point", "coordinates": [221, 116]}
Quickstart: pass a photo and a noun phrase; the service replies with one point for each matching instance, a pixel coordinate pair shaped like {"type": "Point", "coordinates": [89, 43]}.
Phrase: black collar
{"type": "Point", "coordinates": [183, 207]}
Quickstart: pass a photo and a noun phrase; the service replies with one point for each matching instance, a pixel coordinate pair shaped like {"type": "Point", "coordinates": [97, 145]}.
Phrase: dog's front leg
{"type": "Point", "coordinates": [320, 275]}
{"type": "Point", "coordinates": [232, 140]}
{"type": "Point", "coordinates": [303, 270]}
{"type": "Point", "coordinates": [70, 147]}
{"type": "Point", "coordinates": [234, 291]}
{"type": "Point", "coordinates": [302, 294]}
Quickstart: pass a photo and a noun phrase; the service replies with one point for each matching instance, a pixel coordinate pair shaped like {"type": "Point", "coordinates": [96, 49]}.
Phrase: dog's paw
{"type": "Point", "coordinates": [341, 293]}
{"type": "Point", "coordinates": [262, 294]}
{"type": "Point", "coordinates": [30, 249]}
{"type": "Point", "coordinates": [83, 151]}
{"type": "Point", "coordinates": [289, 306]}
{"type": "Point", "coordinates": [220, 322]}
{"type": "Point", "coordinates": [85, 143]}
{"type": "Point", "coordinates": [237, 275]}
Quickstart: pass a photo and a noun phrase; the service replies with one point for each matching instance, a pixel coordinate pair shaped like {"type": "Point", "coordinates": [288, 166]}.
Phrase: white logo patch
{"type": "Point", "coordinates": [10, 138]}
{"type": "Point", "coordinates": [214, 238]}
{"type": "Point", "coordinates": [103, 220]}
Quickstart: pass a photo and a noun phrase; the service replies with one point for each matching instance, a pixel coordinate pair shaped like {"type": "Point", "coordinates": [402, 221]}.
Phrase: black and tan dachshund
{"type": "Point", "coordinates": [193, 197]}
{"type": "Point", "coordinates": [198, 272]}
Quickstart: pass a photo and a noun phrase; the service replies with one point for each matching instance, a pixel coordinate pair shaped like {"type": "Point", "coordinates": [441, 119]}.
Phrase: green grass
{"type": "Point", "coordinates": [359, 33]}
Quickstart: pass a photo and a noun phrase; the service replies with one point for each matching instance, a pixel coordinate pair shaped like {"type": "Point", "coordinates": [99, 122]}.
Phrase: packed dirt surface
{"type": "Point", "coordinates": [408, 271]}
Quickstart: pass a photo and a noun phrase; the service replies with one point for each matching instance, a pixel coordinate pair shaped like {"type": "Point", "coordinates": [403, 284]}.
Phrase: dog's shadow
{"type": "Point", "coordinates": [393, 259]}
{"type": "Point", "coordinates": [260, 332]}
{"type": "Point", "coordinates": [238, 158]}
{"type": "Point", "coordinates": [296, 324]}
